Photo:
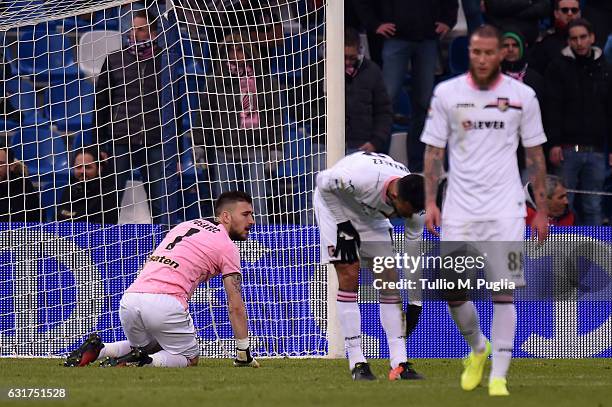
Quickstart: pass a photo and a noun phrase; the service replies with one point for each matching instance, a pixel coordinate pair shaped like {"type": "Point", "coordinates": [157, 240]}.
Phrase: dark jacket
{"type": "Point", "coordinates": [19, 202]}
{"type": "Point", "coordinates": [601, 4]}
{"type": "Point", "coordinates": [94, 201]}
{"type": "Point", "coordinates": [578, 106]}
{"type": "Point", "coordinates": [545, 51]}
{"type": "Point", "coordinates": [521, 15]}
{"type": "Point", "coordinates": [128, 100]}
{"type": "Point", "coordinates": [369, 115]}
{"type": "Point", "coordinates": [414, 19]}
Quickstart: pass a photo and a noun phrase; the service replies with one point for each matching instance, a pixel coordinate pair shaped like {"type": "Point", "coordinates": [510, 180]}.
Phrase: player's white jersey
{"type": "Point", "coordinates": [482, 129]}
{"type": "Point", "coordinates": [358, 182]}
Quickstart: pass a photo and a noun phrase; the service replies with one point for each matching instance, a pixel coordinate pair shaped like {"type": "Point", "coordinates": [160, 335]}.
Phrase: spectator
{"type": "Point", "coordinates": [515, 64]}
{"type": "Point", "coordinates": [599, 13]}
{"type": "Point", "coordinates": [578, 117]}
{"type": "Point", "coordinates": [130, 118]}
{"type": "Point", "coordinates": [555, 38]}
{"type": "Point", "coordinates": [19, 202]}
{"type": "Point", "coordinates": [559, 213]}
{"type": "Point", "coordinates": [89, 197]}
{"type": "Point", "coordinates": [241, 115]}
{"type": "Point", "coordinates": [411, 29]}
{"type": "Point", "coordinates": [368, 109]}
{"type": "Point", "coordinates": [521, 15]}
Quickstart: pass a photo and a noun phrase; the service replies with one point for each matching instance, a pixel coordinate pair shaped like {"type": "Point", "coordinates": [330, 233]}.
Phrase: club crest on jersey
{"type": "Point", "coordinates": [503, 104]}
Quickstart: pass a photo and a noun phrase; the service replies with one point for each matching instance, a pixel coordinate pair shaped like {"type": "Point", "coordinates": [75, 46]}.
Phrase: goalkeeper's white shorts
{"type": "Point", "coordinates": [502, 240]}
{"type": "Point", "coordinates": [149, 318]}
{"type": "Point", "coordinates": [375, 233]}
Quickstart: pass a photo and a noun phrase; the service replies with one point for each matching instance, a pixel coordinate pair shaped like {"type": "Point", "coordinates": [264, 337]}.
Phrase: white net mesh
{"type": "Point", "coordinates": [120, 113]}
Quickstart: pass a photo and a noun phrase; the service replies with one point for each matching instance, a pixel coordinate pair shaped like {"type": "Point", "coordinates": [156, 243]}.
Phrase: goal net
{"type": "Point", "coordinates": [121, 119]}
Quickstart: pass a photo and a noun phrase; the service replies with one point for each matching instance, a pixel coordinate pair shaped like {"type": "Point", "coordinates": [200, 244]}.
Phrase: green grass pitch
{"type": "Point", "coordinates": [306, 382]}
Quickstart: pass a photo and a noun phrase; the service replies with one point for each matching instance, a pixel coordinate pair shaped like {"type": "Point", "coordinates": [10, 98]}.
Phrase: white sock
{"type": "Point", "coordinates": [503, 329]}
{"type": "Point", "coordinates": [466, 319]}
{"type": "Point", "coordinates": [350, 324]}
{"type": "Point", "coordinates": [392, 321]}
{"type": "Point", "coordinates": [115, 349]}
{"type": "Point", "coordinates": [164, 358]}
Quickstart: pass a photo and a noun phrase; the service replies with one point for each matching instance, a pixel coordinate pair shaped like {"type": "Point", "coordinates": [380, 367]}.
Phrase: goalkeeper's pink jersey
{"type": "Point", "coordinates": [192, 252]}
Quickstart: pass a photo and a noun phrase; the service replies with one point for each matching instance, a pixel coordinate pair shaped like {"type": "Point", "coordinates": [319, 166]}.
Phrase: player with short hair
{"type": "Point", "coordinates": [154, 312]}
{"type": "Point", "coordinates": [481, 116]}
{"type": "Point", "coordinates": [353, 201]}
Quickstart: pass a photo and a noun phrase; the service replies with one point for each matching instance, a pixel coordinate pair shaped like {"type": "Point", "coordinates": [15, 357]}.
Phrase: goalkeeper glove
{"type": "Point", "coordinates": [244, 358]}
{"type": "Point", "coordinates": [347, 243]}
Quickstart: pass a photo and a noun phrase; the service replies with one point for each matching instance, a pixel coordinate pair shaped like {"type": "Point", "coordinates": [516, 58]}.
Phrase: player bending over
{"type": "Point", "coordinates": [480, 117]}
{"type": "Point", "coordinates": [154, 312]}
{"type": "Point", "coordinates": [353, 201]}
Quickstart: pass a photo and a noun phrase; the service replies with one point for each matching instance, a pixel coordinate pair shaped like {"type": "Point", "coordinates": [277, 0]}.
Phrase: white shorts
{"type": "Point", "coordinates": [502, 240]}
{"type": "Point", "coordinates": [375, 234]}
{"type": "Point", "coordinates": [149, 318]}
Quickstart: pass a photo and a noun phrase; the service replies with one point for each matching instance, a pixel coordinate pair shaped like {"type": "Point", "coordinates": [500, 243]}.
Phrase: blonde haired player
{"type": "Point", "coordinates": [481, 116]}
{"type": "Point", "coordinates": [154, 312]}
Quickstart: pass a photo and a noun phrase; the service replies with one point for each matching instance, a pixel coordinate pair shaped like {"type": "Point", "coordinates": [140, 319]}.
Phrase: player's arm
{"type": "Point", "coordinates": [435, 136]}
{"type": "Point", "coordinates": [238, 318]}
{"type": "Point", "coordinates": [433, 169]}
{"type": "Point", "coordinates": [535, 164]}
{"type": "Point", "coordinates": [532, 137]}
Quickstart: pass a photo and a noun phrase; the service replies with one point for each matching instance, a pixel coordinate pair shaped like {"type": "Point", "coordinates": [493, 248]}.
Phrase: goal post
{"type": "Point", "coordinates": [225, 95]}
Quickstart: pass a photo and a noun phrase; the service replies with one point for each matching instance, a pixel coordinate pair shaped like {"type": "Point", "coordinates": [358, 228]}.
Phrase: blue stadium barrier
{"type": "Point", "coordinates": [282, 290]}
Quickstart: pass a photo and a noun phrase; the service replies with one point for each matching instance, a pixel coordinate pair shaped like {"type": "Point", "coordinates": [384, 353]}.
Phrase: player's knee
{"type": "Point", "coordinates": [193, 361]}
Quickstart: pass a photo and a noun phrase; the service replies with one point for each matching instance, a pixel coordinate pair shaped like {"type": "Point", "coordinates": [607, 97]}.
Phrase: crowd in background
{"type": "Point", "coordinates": [241, 111]}
{"type": "Point", "coordinates": [563, 61]}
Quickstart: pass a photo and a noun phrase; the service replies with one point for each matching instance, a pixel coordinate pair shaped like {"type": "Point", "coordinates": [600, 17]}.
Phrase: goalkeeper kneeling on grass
{"type": "Point", "coordinates": [353, 201]}
{"type": "Point", "coordinates": [154, 312]}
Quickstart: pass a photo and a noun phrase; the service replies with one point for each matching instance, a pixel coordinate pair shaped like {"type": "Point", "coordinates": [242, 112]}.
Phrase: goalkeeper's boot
{"type": "Point", "coordinates": [404, 372]}
{"type": "Point", "coordinates": [497, 387]}
{"type": "Point", "coordinates": [86, 353]}
{"type": "Point", "coordinates": [473, 367]}
{"type": "Point", "coordinates": [362, 371]}
{"type": "Point", "coordinates": [136, 357]}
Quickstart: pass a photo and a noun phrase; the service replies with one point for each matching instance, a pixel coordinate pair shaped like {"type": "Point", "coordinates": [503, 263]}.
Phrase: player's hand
{"type": "Point", "coordinates": [347, 242]}
{"type": "Point", "coordinates": [555, 155]}
{"type": "Point", "coordinates": [244, 358]}
{"type": "Point", "coordinates": [387, 30]}
{"type": "Point", "coordinates": [432, 218]}
{"type": "Point", "coordinates": [539, 227]}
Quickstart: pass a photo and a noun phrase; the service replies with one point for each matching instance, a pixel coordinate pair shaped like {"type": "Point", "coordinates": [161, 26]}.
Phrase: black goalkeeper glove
{"type": "Point", "coordinates": [244, 358]}
{"type": "Point", "coordinates": [347, 243]}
